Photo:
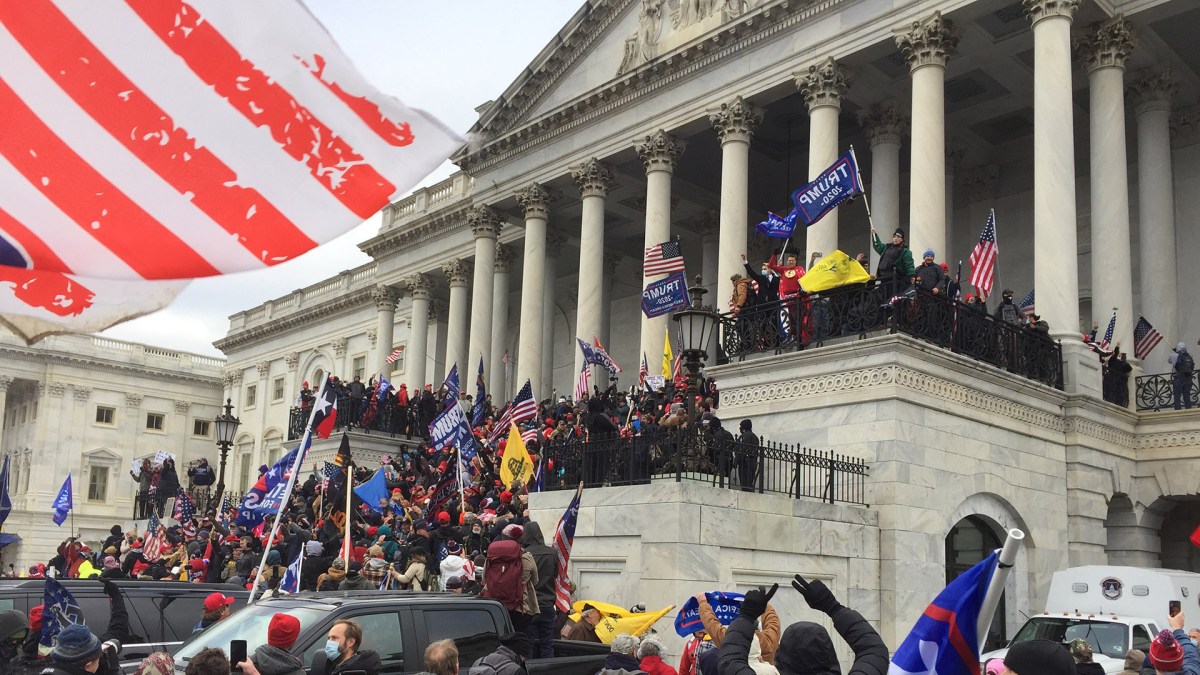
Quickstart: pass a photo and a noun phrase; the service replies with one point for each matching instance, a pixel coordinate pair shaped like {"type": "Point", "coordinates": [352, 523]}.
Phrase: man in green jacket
{"type": "Point", "coordinates": [896, 270]}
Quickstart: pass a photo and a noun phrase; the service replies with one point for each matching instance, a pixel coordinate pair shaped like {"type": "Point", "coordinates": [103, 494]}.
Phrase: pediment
{"type": "Point", "coordinates": [102, 457]}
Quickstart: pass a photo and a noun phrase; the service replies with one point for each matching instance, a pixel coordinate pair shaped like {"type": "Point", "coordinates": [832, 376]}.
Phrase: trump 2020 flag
{"type": "Point", "coordinates": [269, 491]}
{"type": "Point", "coordinates": [60, 609]}
{"type": "Point", "coordinates": [823, 194]}
{"type": "Point", "coordinates": [63, 503]}
{"type": "Point", "coordinates": [778, 226]}
{"type": "Point", "coordinates": [151, 142]}
{"type": "Point", "coordinates": [944, 640]}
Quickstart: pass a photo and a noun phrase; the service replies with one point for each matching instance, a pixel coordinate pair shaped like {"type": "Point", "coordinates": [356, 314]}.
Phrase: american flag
{"type": "Point", "coordinates": [1108, 332]}
{"type": "Point", "coordinates": [329, 472]}
{"type": "Point", "coordinates": [185, 511]}
{"type": "Point", "coordinates": [643, 371]}
{"type": "Point", "coordinates": [155, 540]}
{"type": "Point", "coordinates": [1027, 305]}
{"type": "Point", "coordinates": [564, 539]}
{"type": "Point", "coordinates": [171, 140]}
{"type": "Point", "coordinates": [983, 258]}
{"type": "Point", "coordinates": [152, 523]}
{"type": "Point", "coordinates": [522, 409]}
{"type": "Point", "coordinates": [530, 434]}
{"type": "Point", "coordinates": [584, 381]}
{"type": "Point", "coordinates": [395, 355]}
{"type": "Point", "coordinates": [664, 258]}
{"type": "Point", "coordinates": [1145, 338]}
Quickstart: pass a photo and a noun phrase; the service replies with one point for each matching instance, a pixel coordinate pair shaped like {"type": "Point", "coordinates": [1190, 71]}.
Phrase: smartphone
{"type": "Point", "coordinates": [237, 654]}
{"type": "Point", "coordinates": [1173, 608]}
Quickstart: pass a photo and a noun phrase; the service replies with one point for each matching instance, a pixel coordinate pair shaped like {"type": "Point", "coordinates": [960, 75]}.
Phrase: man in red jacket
{"type": "Point", "coordinates": [789, 289]}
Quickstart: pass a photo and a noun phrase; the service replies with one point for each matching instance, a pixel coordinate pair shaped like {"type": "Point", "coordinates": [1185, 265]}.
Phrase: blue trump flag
{"type": "Point", "coordinates": [662, 296]}
{"type": "Point", "coordinates": [451, 429]}
{"type": "Point", "coordinates": [823, 194]}
{"type": "Point", "coordinates": [945, 639]}
{"type": "Point", "coordinates": [452, 385]}
{"type": "Point", "coordinates": [778, 226]}
{"type": "Point", "coordinates": [374, 491]}
{"type": "Point", "coordinates": [63, 503]}
{"type": "Point", "coordinates": [59, 610]}
{"type": "Point", "coordinates": [268, 492]}
{"type": "Point", "coordinates": [725, 605]}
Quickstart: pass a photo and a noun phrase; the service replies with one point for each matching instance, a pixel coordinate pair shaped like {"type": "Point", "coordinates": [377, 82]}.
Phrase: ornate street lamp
{"type": "Point", "coordinates": [696, 326]}
{"type": "Point", "coordinates": [226, 426]}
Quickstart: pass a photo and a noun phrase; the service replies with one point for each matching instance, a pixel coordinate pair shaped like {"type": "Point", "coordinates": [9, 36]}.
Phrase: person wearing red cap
{"type": "Point", "coordinates": [216, 607]}
{"type": "Point", "coordinates": [1172, 651]}
{"type": "Point", "coordinates": [273, 658]}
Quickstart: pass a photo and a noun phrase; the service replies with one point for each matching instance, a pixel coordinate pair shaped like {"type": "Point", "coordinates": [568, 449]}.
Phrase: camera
{"type": "Point", "coordinates": [111, 646]}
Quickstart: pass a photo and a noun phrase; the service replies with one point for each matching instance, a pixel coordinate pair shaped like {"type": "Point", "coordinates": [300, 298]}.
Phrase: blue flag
{"type": "Point", "coordinates": [267, 494]}
{"type": "Point", "coordinates": [290, 583]}
{"type": "Point", "coordinates": [5, 500]}
{"type": "Point", "coordinates": [834, 186]}
{"type": "Point", "coordinates": [944, 640]}
{"type": "Point", "coordinates": [665, 295]}
{"type": "Point", "coordinates": [589, 354]}
{"type": "Point", "coordinates": [450, 429]}
{"type": "Point", "coordinates": [480, 410]}
{"type": "Point", "coordinates": [374, 491]}
{"type": "Point", "coordinates": [63, 503]}
{"type": "Point", "coordinates": [59, 609]}
{"type": "Point", "coordinates": [778, 226]}
{"type": "Point", "coordinates": [452, 385]}
{"type": "Point", "coordinates": [725, 605]}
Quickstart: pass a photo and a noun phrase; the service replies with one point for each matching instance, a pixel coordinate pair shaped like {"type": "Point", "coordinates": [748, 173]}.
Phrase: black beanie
{"type": "Point", "coordinates": [1039, 657]}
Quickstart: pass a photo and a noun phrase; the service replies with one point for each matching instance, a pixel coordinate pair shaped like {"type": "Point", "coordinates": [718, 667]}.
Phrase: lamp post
{"type": "Point", "coordinates": [696, 325]}
{"type": "Point", "coordinates": [226, 426]}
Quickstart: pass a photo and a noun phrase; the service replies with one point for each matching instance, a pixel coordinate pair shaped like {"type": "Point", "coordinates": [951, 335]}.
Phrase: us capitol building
{"type": "Point", "coordinates": [643, 120]}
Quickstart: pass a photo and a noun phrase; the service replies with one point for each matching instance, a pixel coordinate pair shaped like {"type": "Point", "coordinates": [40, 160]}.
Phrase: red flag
{"type": "Point", "coordinates": [1196, 536]}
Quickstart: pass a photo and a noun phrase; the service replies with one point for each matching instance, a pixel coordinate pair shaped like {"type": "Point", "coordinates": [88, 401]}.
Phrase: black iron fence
{"type": "Point", "coordinates": [678, 454]}
{"type": "Point", "coordinates": [360, 414]}
{"type": "Point", "coordinates": [855, 311]}
{"type": "Point", "coordinates": [202, 497]}
{"type": "Point", "coordinates": [1166, 391]}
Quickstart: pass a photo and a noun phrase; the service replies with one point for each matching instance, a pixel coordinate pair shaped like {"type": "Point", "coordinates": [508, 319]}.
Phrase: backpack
{"type": "Point", "coordinates": [328, 583]}
{"type": "Point", "coordinates": [1184, 363]}
{"type": "Point", "coordinates": [502, 574]}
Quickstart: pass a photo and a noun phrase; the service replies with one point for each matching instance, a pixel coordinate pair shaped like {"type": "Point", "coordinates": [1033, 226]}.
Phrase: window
{"type": "Point", "coordinates": [105, 414]}
{"type": "Point", "coordinates": [24, 410]}
{"type": "Point", "coordinates": [98, 484]}
{"type": "Point", "coordinates": [360, 366]}
{"type": "Point", "coordinates": [244, 472]}
{"type": "Point", "coordinates": [251, 395]}
{"type": "Point", "coordinates": [1141, 638]}
{"type": "Point", "coordinates": [33, 411]}
{"type": "Point", "coordinates": [201, 428]}
{"type": "Point", "coordinates": [154, 421]}
{"type": "Point", "coordinates": [474, 631]}
{"type": "Point", "coordinates": [277, 389]}
{"type": "Point", "coordinates": [383, 631]}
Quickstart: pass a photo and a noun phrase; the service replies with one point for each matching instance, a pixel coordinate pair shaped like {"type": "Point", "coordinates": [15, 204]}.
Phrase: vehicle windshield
{"type": "Point", "coordinates": [249, 624]}
{"type": "Point", "coordinates": [1105, 637]}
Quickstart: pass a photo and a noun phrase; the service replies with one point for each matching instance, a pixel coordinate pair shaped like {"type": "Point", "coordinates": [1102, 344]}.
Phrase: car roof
{"type": "Point", "coordinates": [328, 600]}
{"type": "Point", "coordinates": [76, 585]}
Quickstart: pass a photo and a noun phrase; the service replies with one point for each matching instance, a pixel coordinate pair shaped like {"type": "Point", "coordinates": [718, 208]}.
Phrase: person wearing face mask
{"type": "Point", "coordinates": [14, 627]}
{"type": "Point", "coordinates": [343, 652]}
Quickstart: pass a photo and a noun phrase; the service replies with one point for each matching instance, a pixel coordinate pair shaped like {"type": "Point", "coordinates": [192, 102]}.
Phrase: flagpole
{"type": "Point", "coordinates": [287, 493]}
{"type": "Point", "coordinates": [991, 599]}
{"type": "Point", "coordinates": [346, 548]}
{"type": "Point", "coordinates": [996, 244]}
{"type": "Point", "coordinates": [858, 174]}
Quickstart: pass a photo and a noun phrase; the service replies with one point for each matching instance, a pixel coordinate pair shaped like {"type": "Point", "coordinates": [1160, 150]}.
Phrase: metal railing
{"type": "Point", "coordinates": [808, 321]}
{"type": "Point", "coordinates": [678, 454]}
{"type": "Point", "coordinates": [202, 497]}
{"type": "Point", "coordinates": [363, 415]}
{"type": "Point", "coordinates": [1167, 391]}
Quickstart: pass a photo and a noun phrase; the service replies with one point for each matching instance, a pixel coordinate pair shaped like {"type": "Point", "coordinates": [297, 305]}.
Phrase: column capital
{"type": "Point", "coordinates": [593, 177]}
{"type": "Point", "coordinates": [134, 400]}
{"type": "Point", "coordinates": [457, 271]}
{"type": "Point", "coordinates": [980, 182]}
{"type": "Point", "coordinates": [1152, 89]}
{"type": "Point", "coordinates": [504, 258]}
{"type": "Point", "coordinates": [419, 285]}
{"type": "Point", "coordinates": [659, 151]}
{"type": "Point", "coordinates": [823, 84]}
{"type": "Point", "coordinates": [1107, 44]}
{"type": "Point", "coordinates": [82, 393]}
{"type": "Point", "coordinates": [56, 389]}
{"type": "Point", "coordinates": [437, 311]}
{"type": "Point", "coordinates": [373, 336]}
{"type": "Point", "coordinates": [555, 240]}
{"type": "Point", "coordinates": [484, 221]}
{"type": "Point", "coordinates": [535, 199]}
{"type": "Point", "coordinates": [884, 122]}
{"type": "Point", "coordinates": [292, 359]}
{"type": "Point", "coordinates": [736, 120]}
{"type": "Point", "coordinates": [182, 407]}
{"type": "Point", "coordinates": [928, 42]}
{"type": "Point", "coordinates": [339, 346]}
{"type": "Point", "coordinates": [263, 368]}
{"type": "Point", "coordinates": [5, 382]}
{"type": "Point", "coordinates": [385, 298]}
{"type": "Point", "coordinates": [1036, 10]}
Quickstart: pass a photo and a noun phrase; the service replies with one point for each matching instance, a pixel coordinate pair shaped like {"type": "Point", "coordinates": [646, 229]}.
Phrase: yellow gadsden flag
{"type": "Point", "coordinates": [516, 466]}
{"type": "Point", "coordinates": [834, 270]}
{"type": "Point", "coordinates": [619, 620]}
{"type": "Point", "coordinates": [668, 358]}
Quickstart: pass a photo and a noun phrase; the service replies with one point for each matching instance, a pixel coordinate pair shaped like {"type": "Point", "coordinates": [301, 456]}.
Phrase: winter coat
{"type": "Point", "coordinates": [529, 578]}
{"type": "Point", "coordinates": [332, 574]}
{"type": "Point", "coordinates": [618, 664]}
{"type": "Point", "coordinates": [547, 563]}
{"type": "Point", "coordinates": [768, 636]}
{"type": "Point", "coordinates": [1089, 668]}
{"type": "Point", "coordinates": [583, 632]}
{"type": "Point", "coordinates": [743, 294]}
{"type": "Point", "coordinates": [1133, 662]}
{"type": "Point", "coordinates": [271, 660]}
{"type": "Point", "coordinates": [503, 661]}
{"type": "Point", "coordinates": [900, 259]}
{"type": "Point", "coordinates": [805, 647]}
{"type": "Point", "coordinates": [654, 665]}
{"type": "Point", "coordinates": [365, 660]}
{"type": "Point", "coordinates": [452, 567]}
{"type": "Point", "coordinates": [414, 575]}
{"type": "Point", "coordinates": [355, 582]}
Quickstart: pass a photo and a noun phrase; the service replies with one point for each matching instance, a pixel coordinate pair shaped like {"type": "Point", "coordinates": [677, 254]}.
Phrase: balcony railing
{"type": "Point", "coordinates": [678, 454]}
{"type": "Point", "coordinates": [202, 497]}
{"type": "Point", "coordinates": [809, 321]}
{"type": "Point", "coordinates": [359, 414]}
{"type": "Point", "coordinates": [1166, 391]}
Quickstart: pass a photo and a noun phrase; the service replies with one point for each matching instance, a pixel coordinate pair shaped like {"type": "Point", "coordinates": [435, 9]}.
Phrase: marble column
{"type": "Point", "coordinates": [417, 350]}
{"type": "Point", "coordinates": [979, 187]}
{"type": "Point", "coordinates": [885, 125]}
{"type": "Point", "coordinates": [1056, 256]}
{"type": "Point", "coordinates": [659, 152]}
{"type": "Point", "coordinates": [955, 152]}
{"type": "Point", "coordinates": [611, 260]}
{"type": "Point", "coordinates": [823, 86]}
{"type": "Point", "coordinates": [535, 200]}
{"type": "Point", "coordinates": [1158, 299]}
{"type": "Point", "coordinates": [709, 229]}
{"type": "Point", "coordinates": [497, 381]}
{"type": "Point", "coordinates": [486, 224]}
{"type": "Point", "coordinates": [927, 44]}
{"type": "Point", "coordinates": [1104, 50]}
{"type": "Point", "coordinates": [5, 382]}
{"type": "Point", "coordinates": [385, 298]}
{"type": "Point", "coordinates": [458, 275]}
{"type": "Point", "coordinates": [594, 180]}
{"type": "Point", "coordinates": [554, 243]}
{"type": "Point", "coordinates": [735, 123]}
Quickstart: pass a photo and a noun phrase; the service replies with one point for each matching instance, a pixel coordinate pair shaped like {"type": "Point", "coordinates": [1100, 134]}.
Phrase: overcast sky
{"type": "Point", "coordinates": [443, 57]}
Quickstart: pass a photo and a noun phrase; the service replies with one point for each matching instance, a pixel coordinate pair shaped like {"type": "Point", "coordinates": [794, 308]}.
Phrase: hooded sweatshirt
{"type": "Point", "coordinates": [806, 648]}
{"type": "Point", "coordinates": [546, 561]}
{"type": "Point", "coordinates": [271, 660]}
{"type": "Point", "coordinates": [1133, 662]}
{"type": "Point", "coordinates": [452, 567]}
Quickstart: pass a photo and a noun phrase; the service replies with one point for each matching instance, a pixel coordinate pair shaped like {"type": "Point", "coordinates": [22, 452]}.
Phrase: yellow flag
{"type": "Point", "coordinates": [668, 359]}
{"type": "Point", "coordinates": [516, 465]}
{"type": "Point", "coordinates": [834, 270]}
{"type": "Point", "coordinates": [618, 619]}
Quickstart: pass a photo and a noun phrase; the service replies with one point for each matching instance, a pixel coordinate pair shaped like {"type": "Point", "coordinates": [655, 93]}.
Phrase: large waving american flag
{"type": "Point", "coordinates": [149, 142]}
{"type": "Point", "coordinates": [983, 257]}
{"type": "Point", "coordinates": [522, 409]}
{"type": "Point", "coordinates": [564, 539]}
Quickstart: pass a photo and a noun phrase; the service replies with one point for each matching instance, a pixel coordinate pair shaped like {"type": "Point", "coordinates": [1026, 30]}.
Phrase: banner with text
{"type": "Point", "coordinates": [834, 186]}
{"type": "Point", "coordinates": [451, 429]}
{"type": "Point", "coordinates": [665, 295]}
{"type": "Point", "coordinates": [778, 226]}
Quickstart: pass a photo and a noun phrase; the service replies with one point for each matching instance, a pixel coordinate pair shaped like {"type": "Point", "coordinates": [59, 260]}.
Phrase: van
{"type": "Point", "coordinates": [1114, 608]}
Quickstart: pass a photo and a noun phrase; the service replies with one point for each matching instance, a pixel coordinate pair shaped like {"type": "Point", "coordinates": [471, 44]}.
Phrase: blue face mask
{"type": "Point", "coordinates": [331, 650]}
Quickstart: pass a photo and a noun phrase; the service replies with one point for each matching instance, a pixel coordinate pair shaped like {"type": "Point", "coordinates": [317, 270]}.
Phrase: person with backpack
{"type": "Point", "coordinates": [332, 578]}
{"type": "Point", "coordinates": [1183, 366]}
{"type": "Point", "coordinates": [418, 575]}
{"type": "Point", "coordinates": [510, 576]}
{"type": "Point", "coordinates": [541, 629]}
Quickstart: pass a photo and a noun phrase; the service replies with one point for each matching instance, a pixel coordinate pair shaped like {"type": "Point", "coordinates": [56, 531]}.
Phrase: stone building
{"type": "Point", "coordinates": [1075, 121]}
{"type": "Point", "coordinates": [92, 406]}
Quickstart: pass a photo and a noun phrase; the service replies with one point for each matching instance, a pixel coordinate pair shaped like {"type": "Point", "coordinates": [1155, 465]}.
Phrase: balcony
{"type": "Point", "coordinates": [1157, 392]}
{"type": "Point", "coordinates": [390, 419]}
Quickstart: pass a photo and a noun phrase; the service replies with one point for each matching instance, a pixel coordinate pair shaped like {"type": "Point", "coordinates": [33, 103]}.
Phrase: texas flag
{"type": "Point", "coordinates": [944, 640]}
{"type": "Point", "coordinates": [325, 411]}
{"type": "Point", "coordinates": [151, 142]}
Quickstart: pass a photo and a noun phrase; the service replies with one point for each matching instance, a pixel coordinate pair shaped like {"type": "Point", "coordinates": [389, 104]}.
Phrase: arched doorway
{"type": "Point", "coordinates": [1177, 550]}
{"type": "Point", "coordinates": [970, 540]}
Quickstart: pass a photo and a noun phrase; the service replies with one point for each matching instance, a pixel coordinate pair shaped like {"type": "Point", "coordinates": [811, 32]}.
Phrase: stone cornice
{"type": "Point", "coordinates": [59, 359]}
{"type": "Point", "coordinates": [302, 319]}
{"type": "Point", "coordinates": [437, 226]}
